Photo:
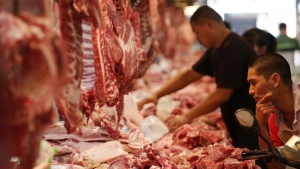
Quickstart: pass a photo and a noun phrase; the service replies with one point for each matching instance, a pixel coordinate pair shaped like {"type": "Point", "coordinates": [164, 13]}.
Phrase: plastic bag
{"type": "Point", "coordinates": [46, 154]}
{"type": "Point", "coordinates": [153, 128]}
{"type": "Point", "coordinates": [165, 107]}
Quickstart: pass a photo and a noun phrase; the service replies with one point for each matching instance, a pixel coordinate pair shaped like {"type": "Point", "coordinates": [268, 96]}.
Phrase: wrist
{"type": "Point", "coordinates": [263, 124]}
{"type": "Point", "coordinates": [187, 117]}
{"type": "Point", "coordinates": [156, 95]}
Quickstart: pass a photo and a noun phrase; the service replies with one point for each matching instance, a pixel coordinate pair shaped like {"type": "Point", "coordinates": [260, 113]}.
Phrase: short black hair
{"type": "Point", "coordinates": [256, 36]}
{"type": "Point", "coordinates": [227, 24]}
{"type": "Point", "coordinates": [269, 63]}
{"type": "Point", "coordinates": [282, 26]}
{"type": "Point", "coordinates": [272, 43]}
{"type": "Point", "coordinates": [205, 12]}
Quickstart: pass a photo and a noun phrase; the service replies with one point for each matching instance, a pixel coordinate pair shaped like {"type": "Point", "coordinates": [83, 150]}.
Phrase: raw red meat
{"type": "Point", "coordinates": [32, 67]}
{"type": "Point", "coordinates": [68, 102]}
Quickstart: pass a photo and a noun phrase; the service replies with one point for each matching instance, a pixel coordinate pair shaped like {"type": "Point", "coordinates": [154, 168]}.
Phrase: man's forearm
{"type": "Point", "coordinates": [178, 82]}
{"type": "Point", "coordinates": [199, 110]}
{"type": "Point", "coordinates": [214, 101]}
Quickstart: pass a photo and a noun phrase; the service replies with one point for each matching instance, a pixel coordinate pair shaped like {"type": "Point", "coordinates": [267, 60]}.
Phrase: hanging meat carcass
{"type": "Point", "coordinates": [117, 52]}
{"type": "Point", "coordinates": [149, 17]}
{"type": "Point", "coordinates": [99, 80]}
{"type": "Point", "coordinates": [104, 71]}
{"type": "Point", "coordinates": [114, 68]}
{"type": "Point", "coordinates": [32, 67]}
{"type": "Point", "coordinates": [78, 97]}
{"type": "Point", "coordinates": [68, 102]}
{"type": "Point", "coordinates": [91, 18]}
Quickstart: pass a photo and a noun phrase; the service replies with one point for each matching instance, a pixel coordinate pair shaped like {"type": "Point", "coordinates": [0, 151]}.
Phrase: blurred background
{"type": "Point", "coordinates": [245, 14]}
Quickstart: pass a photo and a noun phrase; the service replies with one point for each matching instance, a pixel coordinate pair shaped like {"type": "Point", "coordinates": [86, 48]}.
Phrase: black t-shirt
{"type": "Point", "coordinates": [228, 64]}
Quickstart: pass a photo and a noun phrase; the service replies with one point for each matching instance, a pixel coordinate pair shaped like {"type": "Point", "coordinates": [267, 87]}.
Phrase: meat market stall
{"type": "Point", "coordinates": [71, 73]}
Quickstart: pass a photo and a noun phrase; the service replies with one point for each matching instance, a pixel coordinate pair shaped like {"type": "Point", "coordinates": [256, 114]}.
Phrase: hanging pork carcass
{"type": "Point", "coordinates": [148, 17]}
{"type": "Point", "coordinates": [32, 68]}
{"type": "Point", "coordinates": [117, 51]}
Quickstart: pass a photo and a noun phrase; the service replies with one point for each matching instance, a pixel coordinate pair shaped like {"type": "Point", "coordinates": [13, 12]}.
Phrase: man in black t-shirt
{"type": "Point", "coordinates": [226, 59]}
{"type": "Point", "coordinates": [228, 65]}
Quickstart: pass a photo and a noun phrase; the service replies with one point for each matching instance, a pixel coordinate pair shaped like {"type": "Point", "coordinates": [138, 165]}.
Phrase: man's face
{"type": "Point", "coordinates": [202, 34]}
{"type": "Point", "coordinates": [259, 86]}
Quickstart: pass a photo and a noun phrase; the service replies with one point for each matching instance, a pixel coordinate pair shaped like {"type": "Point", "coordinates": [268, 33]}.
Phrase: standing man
{"type": "Point", "coordinates": [226, 59]}
{"type": "Point", "coordinates": [285, 43]}
{"type": "Point", "coordinates": [286, 47]}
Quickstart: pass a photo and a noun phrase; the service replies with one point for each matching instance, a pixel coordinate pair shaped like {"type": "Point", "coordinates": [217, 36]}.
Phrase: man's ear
{"type": "Point", "coordinates": [275, 79]}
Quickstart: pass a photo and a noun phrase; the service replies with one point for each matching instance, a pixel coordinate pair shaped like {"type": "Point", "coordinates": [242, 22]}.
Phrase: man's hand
{"type": "Point", "coordinates": [263, 109]}
{"type": "Point", "coordinates": [176, 121]}
{"type": "Point", "coordinates": [151, 99]}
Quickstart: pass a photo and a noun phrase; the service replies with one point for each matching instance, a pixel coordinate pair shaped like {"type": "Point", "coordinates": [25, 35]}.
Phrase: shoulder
{"type": "Point", "coordinates": [236, 44]}
{"type": "Point", "coordinates": [234, 40]}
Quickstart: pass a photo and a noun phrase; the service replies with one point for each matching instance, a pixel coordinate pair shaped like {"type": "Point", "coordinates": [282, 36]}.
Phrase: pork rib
{"type": "Point", "coordinates": [68, 102]}
{"type": "Point", "coordinates": [105, 48]}
{"type": "Point", "coordinates": [89, 76]}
